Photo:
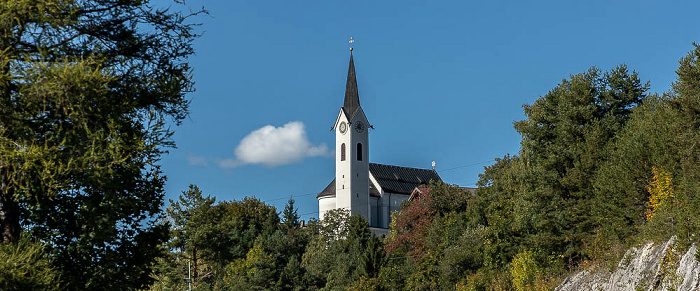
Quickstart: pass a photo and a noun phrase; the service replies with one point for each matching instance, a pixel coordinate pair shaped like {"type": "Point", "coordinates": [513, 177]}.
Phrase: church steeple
{"type": "Point", "coordinates": [351, 155]}
{"type": "Point", "coordinates": [352, 98]}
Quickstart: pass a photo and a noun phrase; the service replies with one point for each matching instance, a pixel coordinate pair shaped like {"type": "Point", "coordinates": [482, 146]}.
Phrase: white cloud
{"type": "Point", "coordinates": [197, 160]}
{"type": "Point", "coordinates": [275, 146]}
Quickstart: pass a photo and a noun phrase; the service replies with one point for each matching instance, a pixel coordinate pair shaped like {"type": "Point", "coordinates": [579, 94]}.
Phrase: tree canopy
{"type": "Point", "coordinates": [87, 89]}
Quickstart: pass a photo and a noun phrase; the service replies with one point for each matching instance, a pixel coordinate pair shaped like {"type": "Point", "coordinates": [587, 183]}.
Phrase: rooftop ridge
{"type": "Point", "coordinates": [394, 166]}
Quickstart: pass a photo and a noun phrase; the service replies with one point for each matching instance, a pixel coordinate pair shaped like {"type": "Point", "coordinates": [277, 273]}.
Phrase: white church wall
{"type": "Point", "coordinates": [374, 212]}
{"type": "Point", "coordinates": [388, 203]}
{"type": "Point", "coordinates": [395, 201]}
{"type": "Point", "coordinates": [325, 204]}
{"type": "Point", "coordinates": [359, 167]}
{"type": "Point", "coordinates": [342, 166]}
{"type": "Point", "coordinates": [384, 212]}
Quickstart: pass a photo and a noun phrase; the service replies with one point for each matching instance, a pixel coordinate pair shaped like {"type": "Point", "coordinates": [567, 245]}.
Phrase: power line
{"type": "Point", "coordinates": [464, 166]}
{"type": "Point", "coordinates": [290, 196]}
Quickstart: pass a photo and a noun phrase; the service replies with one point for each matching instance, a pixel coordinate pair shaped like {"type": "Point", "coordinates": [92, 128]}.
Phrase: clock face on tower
{"type": "Point", "coordinates": [359, 126]}
{"type": "Point", "coordinates": [343, 127]}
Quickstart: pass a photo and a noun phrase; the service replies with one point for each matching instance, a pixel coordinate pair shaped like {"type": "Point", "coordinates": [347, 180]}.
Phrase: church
{"type": "Point", "coordinates": [363, 188]}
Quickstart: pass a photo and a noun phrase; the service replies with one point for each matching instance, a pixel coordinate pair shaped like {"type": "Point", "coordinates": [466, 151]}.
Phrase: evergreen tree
{"type": "Point", "coordinates": [373, 257]}
{"type": "Point", "coordinates": [334, 255]}
{"type": "Point", "coordinates": [86, 90]}
{"type": "Point", "coordinates": [290, 218]}
{"type": "Point", "coordinates": [193, 220]}
{"type": "Point", "coordinates": [660, 140]}
{"type": "Point", "coordinates": [565, 137]}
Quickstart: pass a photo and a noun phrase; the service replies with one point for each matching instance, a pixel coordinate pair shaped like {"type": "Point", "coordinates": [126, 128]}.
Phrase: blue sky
{"type": "Point", "coordinates": [439, 80]}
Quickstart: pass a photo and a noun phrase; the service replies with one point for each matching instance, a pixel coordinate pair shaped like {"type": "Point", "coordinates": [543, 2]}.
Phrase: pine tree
{"type": "Point", "coordinates": [290, 218]}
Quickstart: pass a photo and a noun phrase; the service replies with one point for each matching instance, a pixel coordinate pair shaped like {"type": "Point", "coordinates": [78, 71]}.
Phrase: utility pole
{"type": "Point", "coordinates": [188, 280]}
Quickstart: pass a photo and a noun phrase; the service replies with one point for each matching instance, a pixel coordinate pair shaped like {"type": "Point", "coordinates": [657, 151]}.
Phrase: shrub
{"type": "Point", "coordinates": [525, 271]}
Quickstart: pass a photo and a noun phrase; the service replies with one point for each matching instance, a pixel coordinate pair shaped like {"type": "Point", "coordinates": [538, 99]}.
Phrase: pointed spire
{"type": "Point", "coordinates": [352, 98]}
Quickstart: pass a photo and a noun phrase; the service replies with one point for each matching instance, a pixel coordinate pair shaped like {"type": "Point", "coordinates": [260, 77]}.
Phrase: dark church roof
{"type": "Point", "coordinates": [393, 179]}
{"type": "Point", "coordinates": [328, 191]}
{"type": "Point", "coordinates": [402, 180]}
{"type": "Point", "coordinates": [352, 98]}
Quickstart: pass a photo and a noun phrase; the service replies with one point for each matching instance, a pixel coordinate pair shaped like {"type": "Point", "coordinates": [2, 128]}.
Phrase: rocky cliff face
{"type": "Point", "coordinates": [651, 267]}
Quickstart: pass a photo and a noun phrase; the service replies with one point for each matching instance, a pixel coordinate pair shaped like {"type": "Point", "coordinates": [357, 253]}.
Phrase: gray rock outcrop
{"type": "Point", "coordinates": [650, 267]}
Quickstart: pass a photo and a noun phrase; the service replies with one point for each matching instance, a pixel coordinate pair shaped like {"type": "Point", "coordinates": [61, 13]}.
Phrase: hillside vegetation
{"type": "Point", "coordinates": [603, 166]}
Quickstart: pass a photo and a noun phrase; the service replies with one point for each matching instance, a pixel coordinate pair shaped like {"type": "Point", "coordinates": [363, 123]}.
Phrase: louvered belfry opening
{"type": "Point", "coordinates": [342, 152]}
{"type": "Point", "coordinates": [359, 151]}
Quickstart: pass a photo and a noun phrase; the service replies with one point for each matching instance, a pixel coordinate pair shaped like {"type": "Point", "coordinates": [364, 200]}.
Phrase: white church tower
{"type": "Point", "coordinates": [370, 190]}
{"type": "Point", "coordinates": [351, 155]}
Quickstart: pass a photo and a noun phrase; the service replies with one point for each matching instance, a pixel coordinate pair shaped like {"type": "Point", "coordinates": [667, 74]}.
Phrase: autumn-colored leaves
{"type": "Point", "coordinates": [660, 191]}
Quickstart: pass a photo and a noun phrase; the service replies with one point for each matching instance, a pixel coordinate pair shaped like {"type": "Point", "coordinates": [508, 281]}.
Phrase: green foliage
{"type": "Point", "coordinates": [662, 134]}
{"type": "Point", "coordinates": [244, 220]}
{"type": "Point", "coordinates": [194, 226]}
{"type": "Point", "coordinates": [366, 284]}
{"type": "Point", "coordinates": [647, 141]}
{"type": "Point", "coordinates": [209, 238]}
{"type": "Point", "coordinates": [544, 198]}
{"type": "Point", "coordinates": [191, 217]}
{"type": "Point", "coordinates": [686, 89]}
{"type": "Point", "coordinates": [290, 218]}
{"type": "Point", "coordinates": [395, 272]}
{"type": "Point", "coordinates": [459, 246]}
{"type": "Point", "coordinates": [426, 274]}
{"type": "Point", "coordinates": [25, 266]}
{"type": "Point", "coordinates": [448, 198]}
{"type": "Point", "coordinates": [596, 153]}
{"type": "Point", "coordinates": [284, 250]}
{"type": "Point", "coordinates": [500, 207]}
{"type": "Point", "coordinates": [486, 280]}
{"type": "Point", "coordinates": [86, 90]}
{"type": "Point", "coordinates": [524, 270]}
{"type": "Point", "coordinates": [255, 272]}
{"type": "Point", "coordinates": [435, 240]}
{"type": "Point", "coordinates": [336, 254]}
{"type": "Point", "coordinates": [373, 257]}
{"type": "Point", "coordinates": [168, 274]}
{"type": "Point", "coordinates": [273, 263]}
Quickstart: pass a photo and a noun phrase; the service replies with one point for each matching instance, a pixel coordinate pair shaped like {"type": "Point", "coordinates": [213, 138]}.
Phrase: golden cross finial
{"type": "Point", "coordinates": [351, 42]}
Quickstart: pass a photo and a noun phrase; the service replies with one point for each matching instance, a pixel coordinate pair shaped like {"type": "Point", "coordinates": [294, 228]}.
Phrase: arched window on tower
{"type": "Point", "coordinates": [342, 152]}
{"type": "Point", "coordinates": [359, 151]}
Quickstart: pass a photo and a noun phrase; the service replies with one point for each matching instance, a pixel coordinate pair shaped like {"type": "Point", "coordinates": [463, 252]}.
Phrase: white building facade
{"type": "Point", "coordinates": [367, 189]}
